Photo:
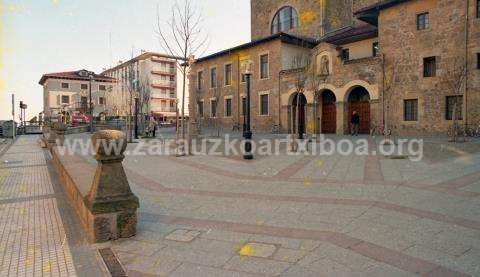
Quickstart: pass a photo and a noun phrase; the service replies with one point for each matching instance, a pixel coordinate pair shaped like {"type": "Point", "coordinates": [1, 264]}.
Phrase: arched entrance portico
{"type": "Point", "coordinates": [359, 101]}
{"type": "Point", "coordinates": [297, 114]}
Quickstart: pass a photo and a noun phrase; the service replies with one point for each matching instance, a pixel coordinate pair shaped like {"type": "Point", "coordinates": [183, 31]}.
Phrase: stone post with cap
{"type": "Point", "coordinates": [110, 199]}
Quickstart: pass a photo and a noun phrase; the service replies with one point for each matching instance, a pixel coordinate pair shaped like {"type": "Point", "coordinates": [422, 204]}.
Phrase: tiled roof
{"type": "Point", "coordinates": [351, 34]}
{"type": "Point", "coordinates": [82, 75]}
{"type": "Point", "coordinates": [370, 13]}
{"type": "Point", "coordinates": [284, 37]}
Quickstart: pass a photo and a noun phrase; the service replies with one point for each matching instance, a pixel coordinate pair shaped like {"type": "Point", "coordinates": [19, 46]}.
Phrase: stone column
{"type": "Point", "coordinates": [110, 199]}
{"type": "Point", "coordinates": [340, 117]}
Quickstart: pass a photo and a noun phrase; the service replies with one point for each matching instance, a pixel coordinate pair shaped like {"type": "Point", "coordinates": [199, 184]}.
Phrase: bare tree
{"type": "Point", "coordinates": [300, 78]}
{"type": "Point", "coordinates": [144, 101]}
{"type": "Point", "coordinates": [389, 82]}
{"type": "Point", "coordinates": [132, 86]}
{"type": "Point", "coordinates": [182, 36]}
{"type": "Point", "coordinates": [454, 77]}
{"type": "Point", "coordinates": [316, 76]}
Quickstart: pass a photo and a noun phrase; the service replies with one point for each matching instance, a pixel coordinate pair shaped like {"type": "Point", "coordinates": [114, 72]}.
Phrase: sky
{"type": "Point", "coordinates": [45, 36]}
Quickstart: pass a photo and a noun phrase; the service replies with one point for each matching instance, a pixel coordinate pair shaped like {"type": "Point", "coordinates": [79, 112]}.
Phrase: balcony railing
{"type": "Point", "coordinates": [165, 84]}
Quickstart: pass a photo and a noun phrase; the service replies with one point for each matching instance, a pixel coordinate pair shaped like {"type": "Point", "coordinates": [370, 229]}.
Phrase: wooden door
{"type": "Point", "coordinates": [363, 109]}
{"type": "Point", "coordinates": [329, 118]}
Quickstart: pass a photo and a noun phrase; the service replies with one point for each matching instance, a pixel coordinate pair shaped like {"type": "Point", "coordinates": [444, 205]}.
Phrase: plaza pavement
{"type": "Point", "coordinates": [39, 235]}
{"type": "Point", "coordinates": [273, 216]}
{"type": "Point", "coordinates": [306, 216]}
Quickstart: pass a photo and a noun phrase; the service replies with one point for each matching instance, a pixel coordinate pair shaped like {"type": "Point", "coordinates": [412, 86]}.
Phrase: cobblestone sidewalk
{"type": "Point", "coordinates": [37, 234]}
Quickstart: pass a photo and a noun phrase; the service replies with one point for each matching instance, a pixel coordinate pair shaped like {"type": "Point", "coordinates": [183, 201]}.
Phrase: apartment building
{"type": "Point", "coordinates": [153, 78]}
{"type": "Point", "coordinates": [70, 92]}
{"type": "Point", "coordinates": [392, 61]}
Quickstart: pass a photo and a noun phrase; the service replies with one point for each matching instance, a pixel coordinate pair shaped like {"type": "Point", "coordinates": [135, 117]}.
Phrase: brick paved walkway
{"type": "Point", "coordinates": [38, 233]}
{"type": "Point", "coordinates": [306, 216]}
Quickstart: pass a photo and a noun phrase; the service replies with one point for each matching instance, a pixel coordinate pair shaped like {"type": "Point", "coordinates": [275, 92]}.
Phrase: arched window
{"type": "Point", "coordinates": [285, 19]}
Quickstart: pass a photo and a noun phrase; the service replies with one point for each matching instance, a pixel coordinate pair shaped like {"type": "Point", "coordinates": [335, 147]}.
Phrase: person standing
{"type": "Point", "coordinates": [355, 123]}
{"type": "Point", "coordinates": [153, 125]}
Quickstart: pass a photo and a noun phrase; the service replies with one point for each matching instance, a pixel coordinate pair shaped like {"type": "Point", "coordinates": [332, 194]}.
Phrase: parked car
{"type": "Point", "coordinates": [80, 119]}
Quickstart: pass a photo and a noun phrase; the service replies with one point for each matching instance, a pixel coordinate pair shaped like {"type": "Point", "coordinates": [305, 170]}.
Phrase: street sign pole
{"type": "Point", "coordinates": [13, 115]}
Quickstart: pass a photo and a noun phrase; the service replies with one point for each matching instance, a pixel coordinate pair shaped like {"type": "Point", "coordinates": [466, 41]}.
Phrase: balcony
{"type": "Point", "coordinates": [164, 72]}
{"type": "Point", "coordinates": [165, 85]}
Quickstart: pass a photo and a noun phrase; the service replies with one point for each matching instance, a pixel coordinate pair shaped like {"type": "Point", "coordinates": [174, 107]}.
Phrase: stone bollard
{"type": "Point", "coordinates": [59, 129]}
{"type": "Point", "coordinates": [110, 198]}
{"type": "Point", "coordinates": [51, 135]}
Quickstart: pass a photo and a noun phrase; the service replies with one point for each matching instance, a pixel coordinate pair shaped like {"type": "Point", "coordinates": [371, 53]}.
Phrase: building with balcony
{"type": "Point", "coordinates": [70, 92]}
{"type": "Point", "coordinates": [155, 79]}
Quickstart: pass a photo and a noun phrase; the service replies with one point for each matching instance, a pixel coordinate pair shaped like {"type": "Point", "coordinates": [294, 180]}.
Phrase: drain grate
{"type": "Point", "coordinates": [113, 264]}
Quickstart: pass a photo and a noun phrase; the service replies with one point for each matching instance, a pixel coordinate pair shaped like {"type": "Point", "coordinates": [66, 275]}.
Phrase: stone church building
{"type": "Point", "coordinates": [410, 65]}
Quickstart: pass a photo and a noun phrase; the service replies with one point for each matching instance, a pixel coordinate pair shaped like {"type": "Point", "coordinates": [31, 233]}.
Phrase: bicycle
{"type": "Point", "coordinates": [380, 130]}
{"type": "Point", "coordinates": [473, 131]}
{"type": "Point", "coordinates": [456, 131]}
{"type": "Point", "coordinates": [275, 129]}
{"type": "Point", "coordinates": [236, 127]}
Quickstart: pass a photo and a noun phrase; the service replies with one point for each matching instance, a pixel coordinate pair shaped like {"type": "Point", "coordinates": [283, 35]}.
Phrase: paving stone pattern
{"type": "Point", "coordinates": [307, 216]}
{"type": "Point", "coordinates": [34, 239]}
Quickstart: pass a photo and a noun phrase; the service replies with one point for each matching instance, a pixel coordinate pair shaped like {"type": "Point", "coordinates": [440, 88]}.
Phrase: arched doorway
{"type": "Point", "coordinates": [297, 109]}
{"type": "Point", "coordinates": [359, 101]}
{"type": "Point", "coordinates": [329, 112]}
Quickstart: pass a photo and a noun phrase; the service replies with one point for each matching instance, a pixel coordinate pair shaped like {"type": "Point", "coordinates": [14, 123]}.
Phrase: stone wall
{"type": "Point", "coordinates": [101, 195]}
{"type": "Point", "coordinates": [237, 89]}
{"type": "Point", "coordinates": [360, 4]}
{"type": "Point", "coordinates": [405, 47]}
{"type": "Point", "coordinates": [316, 17]}
{"type": "Point", "coordinates": [343, 78]}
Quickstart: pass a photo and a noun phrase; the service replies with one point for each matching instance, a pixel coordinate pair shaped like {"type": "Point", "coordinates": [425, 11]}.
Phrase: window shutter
{"type": "Point", "coordinates": [58, 100]}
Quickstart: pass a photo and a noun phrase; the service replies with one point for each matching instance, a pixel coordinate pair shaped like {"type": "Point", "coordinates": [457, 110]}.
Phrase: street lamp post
{"type": "Point", "coordinates": [247, 133]}
{"type": "Point", "coordinates": [90, 108]}
{"type": "Point", "coordinates": [136, 117]}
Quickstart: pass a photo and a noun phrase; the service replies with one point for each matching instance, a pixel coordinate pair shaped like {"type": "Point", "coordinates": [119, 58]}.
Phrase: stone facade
{"type": "Point", "coordinates": [280, 57]}
{"type": "Point", "coordinates": [315, 17]}
{"type": "Point", "coordinates": [376, 65]}
{"type": "Point", "coordinates": [405, 47]}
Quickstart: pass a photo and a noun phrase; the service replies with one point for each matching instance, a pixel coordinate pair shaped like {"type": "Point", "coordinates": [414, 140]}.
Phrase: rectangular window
{"type": "Point", "coordinates": [422, 21]}
{"type": "Point", "coordinates": [375, 49]}
{"type": "Point", "coordinates": [65, 85]}
{"type": "Point", "coordinates": [228, 74]}
{"type": "Point", "coordinates": [264, 104]}
{"type": "Point", "coordinates": [102, 88]}
{"type": "Point", "coordinates": [264, 66]}
{"type": "Point", "coordinates": [101, 100]}
{"type": "Point", "coordinates": [429, 67]}
{"type": "Point", "coordinates": [454, 106]}
{"type": "Point", "coordinates": [478, 59]}
{"type": "Point", "coordinates": [228, 107]}
{"type": "Point", "coordinates": [345, 54]}
{"type": "Point", "coordinates": [213, 77]}
{"type": "Point", "coordinates": [172, 78]}
{"type": "Point", "coordinates": [84, 102]}
{"type": "Point", "coordinates": [199, 80]}
{"type": "Point", "coordinates": [213, 108]}
{"type": "Point", "coordinates": [478, 8]}
{"type": "Point", "coordinates": [172, 104]}
{"type": "Point", "coordinates": [65, 99]}
{"type": "Point", "coordinates": [200, 108]}
{"type": "Point", "coordinates": [411, 110]}
{"type": "Point", "coordinates": [244, 78]}
{"type": "Point", "coordinates": [83, 86]}
{"type": "Point", "coordinates": [244, 105]}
